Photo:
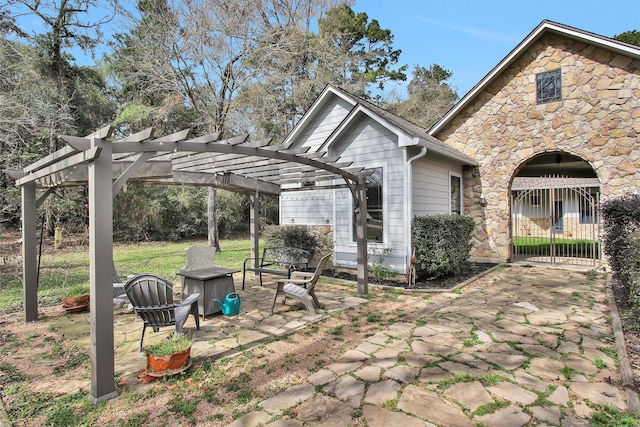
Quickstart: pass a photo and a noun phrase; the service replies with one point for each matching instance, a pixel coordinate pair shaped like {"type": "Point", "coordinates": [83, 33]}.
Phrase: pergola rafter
{"type": "Point", "coordinates": [105, 166]}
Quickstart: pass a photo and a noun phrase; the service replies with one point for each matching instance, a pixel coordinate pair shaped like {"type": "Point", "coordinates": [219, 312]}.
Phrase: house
{"type": "Point", "coordinates": [411, 174]}
{"type": "Point", "coordinates": [555, 129]}
{"type": "Point", "coordinates": [531, 150]}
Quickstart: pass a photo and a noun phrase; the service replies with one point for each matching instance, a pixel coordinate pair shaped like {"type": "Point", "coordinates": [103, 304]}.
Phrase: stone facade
{"type": "Point", "coordinates": [503, 127]}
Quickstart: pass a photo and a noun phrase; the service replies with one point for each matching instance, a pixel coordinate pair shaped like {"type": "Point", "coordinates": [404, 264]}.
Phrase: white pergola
{"type": "Point", "coordinates": [105, 166]}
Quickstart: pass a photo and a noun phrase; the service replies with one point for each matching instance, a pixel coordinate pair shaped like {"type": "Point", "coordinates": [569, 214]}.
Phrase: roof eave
{"type": "Point", "coordinates": [452, 154]}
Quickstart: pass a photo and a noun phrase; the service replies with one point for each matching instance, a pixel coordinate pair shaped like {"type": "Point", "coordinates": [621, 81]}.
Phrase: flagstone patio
{"type": "Point", "coordinates": [534, 344]}
{"type": "Point", "coordinates": [218, 335]}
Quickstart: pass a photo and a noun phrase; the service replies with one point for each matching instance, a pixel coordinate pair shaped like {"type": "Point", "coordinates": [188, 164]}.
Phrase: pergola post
{"type": "Point", "coordinates": [101, 274]}
{"type": "Point", "coordinates": [254, 228]}
{"type": "Point", "coordinates": [29, 261]}
{"type": "Point", "coordinates": [361, 235]}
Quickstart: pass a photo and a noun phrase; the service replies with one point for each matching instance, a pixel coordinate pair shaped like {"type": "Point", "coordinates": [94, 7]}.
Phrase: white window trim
{"type": "Point", "coordinates": [385, 210]}
{"type": "Point", "coordinates": [461, 191]}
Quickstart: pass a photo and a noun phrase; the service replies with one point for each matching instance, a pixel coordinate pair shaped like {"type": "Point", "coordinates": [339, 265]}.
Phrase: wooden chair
{"type": "Point", "coordinates": [301, 286]}
{"type": "Point", "coordinates": [152, 300]}
{"type": "Point", "coordinates": [200, 257]}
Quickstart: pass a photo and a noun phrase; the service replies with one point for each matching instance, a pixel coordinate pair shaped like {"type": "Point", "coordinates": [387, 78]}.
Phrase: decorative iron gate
{"type": "Point", "coordinates": [555, 219]}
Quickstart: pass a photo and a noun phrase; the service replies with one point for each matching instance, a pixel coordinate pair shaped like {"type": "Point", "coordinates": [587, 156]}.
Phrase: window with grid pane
{"type": "Point", "coordinates": [549, 86]}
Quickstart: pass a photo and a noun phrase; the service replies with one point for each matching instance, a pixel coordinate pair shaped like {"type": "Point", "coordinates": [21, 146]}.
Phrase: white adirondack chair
{"type": "Point", "coordinates": [301, 286]}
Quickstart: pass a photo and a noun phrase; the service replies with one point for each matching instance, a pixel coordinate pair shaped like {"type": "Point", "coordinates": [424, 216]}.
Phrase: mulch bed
{"type": "Point", "coordinates": [468, 271]}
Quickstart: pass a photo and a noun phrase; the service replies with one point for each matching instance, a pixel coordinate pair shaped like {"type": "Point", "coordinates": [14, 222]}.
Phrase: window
{"type": "Point", "coordinates": [535, 200]}
{"type": "Point", "coordinates": [456, 194]}
{"type": "Point", "coordinates": [549, 86]}
{"type": "Point", "coordinates": [375, 220]}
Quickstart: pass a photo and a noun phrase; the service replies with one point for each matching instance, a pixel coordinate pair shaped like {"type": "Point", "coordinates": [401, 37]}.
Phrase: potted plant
{"type": "Point", "coordinates": [168, 356]}
{"type": "Point", "coordinates": [76, 298]}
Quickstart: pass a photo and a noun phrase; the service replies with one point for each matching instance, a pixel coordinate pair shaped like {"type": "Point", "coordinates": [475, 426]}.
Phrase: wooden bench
{"type": "Point", "coordinates": [280, 261]}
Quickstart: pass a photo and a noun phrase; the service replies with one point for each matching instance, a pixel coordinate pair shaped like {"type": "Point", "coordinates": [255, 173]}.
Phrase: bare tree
{"type": "Point", "coordinates": [206, 51]}
{"type": "Point", "coordinates": [42, 92]}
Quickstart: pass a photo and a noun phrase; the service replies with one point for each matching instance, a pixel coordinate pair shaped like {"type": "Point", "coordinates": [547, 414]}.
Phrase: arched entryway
{"type": "Point", "coordinates": [555, 216]}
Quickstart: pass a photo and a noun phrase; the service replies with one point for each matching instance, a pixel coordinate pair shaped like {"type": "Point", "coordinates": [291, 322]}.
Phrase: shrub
{"type": "Point", "coordinates": [229, 210]}
{"type": "Point", "coordinates": [159, 213]}
{"type": "Point", "coordinates": [293, 236]}
{"type": "Point", "coordinates": [378, 268]}
{"type": "Point", "coordinates": [442, 243]}
{"type": "Point", "coordinates": [621, 224]}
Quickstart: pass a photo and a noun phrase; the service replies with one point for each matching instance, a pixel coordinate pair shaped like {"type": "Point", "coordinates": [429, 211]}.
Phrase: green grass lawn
{"type": "Point", "coordinates": [62, 270]}
{"type": "Point", "coordinates": [534, 245]}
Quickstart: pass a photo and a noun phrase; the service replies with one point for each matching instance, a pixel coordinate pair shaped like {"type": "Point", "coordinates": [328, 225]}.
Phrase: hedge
{"type": "Point", "coordinates": [442, 243]}
{"type": "Point", "coordinates": [621, 223]}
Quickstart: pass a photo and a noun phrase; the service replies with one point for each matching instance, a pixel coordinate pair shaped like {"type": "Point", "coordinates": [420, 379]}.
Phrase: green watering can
{"type": "Point", "coordinates": [231, 304]}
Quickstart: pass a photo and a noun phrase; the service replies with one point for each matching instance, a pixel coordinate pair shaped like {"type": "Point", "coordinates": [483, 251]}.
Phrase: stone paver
{"type": "Point", "coordinates": [252, 419]}
{"type": "Point", "coordinates": [347, 389]}
{"type": "Point", "coordinates": [325, 411]}
{"type": "Point", "coordinates": [504, 361]}
{"type": "Point", "coordinates": [472, 395]}
{"type": "Point", "coordinates": [546, 414]}
{"type": "Point", "coordinates": [428, 405]}
{"type": "Point", "coordinates": [381, 392]}
{"type": "Point", "coordinates": [508, 417]}
{"type": "Point", "coordinates": [513, 393]}
{"type": "Point", "coordinates": [546, 368]}
{"type": "Point", "coordinates": [599, 393]}
{"type": "Point", "coordinates": [533, 326]}
{"type": "Point", "coordinates": [402, 373]}
{"type": "Point", "coordinates": [380, 417]}
{"type": "Point", "coordinates": [369, 373]}
{"type": "Point", "coordinates": [288, 398]}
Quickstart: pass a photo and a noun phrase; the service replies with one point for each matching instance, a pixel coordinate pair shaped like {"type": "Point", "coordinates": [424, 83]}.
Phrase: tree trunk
{"type": "Point", "coordinates": [212, 220]}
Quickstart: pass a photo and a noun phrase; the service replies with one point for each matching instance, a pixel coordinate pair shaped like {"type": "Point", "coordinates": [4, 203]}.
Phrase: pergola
{"type": "Point", "coordinates": [105, 166]}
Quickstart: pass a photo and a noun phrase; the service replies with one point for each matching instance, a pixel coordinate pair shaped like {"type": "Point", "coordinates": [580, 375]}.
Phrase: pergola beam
{"type": "Point", "coordinates": [226, 181]}
{"type": "Point", "coordinates": [132, 169]}
{"type": "Point", "coordinates": [61, 165]}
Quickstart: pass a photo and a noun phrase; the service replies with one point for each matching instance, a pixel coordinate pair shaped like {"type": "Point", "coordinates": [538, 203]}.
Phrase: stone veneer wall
{"type": "Point", "coordinates": [598, 120]}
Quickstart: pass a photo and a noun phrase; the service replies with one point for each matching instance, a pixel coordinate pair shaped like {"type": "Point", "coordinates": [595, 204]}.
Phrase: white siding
{"type": "Point", "coordinates": [370, 145]}
{"type": "Point", "coordinates": [430, 177]}
{"type": "Point", "coordinates": [307, 207]}
{"type": "Point", "coordinates": [314, 211]}
{"type": "Point", "coordinates": [324, 123]}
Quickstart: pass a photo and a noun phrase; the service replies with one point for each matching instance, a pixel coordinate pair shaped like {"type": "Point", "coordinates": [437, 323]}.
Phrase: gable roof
{"type": "Point", "coordinates": [408, 133]}
{"type": "Point", "coordinates": [545, 27]}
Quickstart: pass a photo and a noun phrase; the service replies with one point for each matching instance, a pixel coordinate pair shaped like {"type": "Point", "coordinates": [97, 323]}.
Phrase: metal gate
{"type": "Point", "coordinates": [555, 219]}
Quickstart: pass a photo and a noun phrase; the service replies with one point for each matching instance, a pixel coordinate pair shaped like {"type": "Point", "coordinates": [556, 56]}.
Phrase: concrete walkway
{"type": "Point", "coordinates": [520, 346]}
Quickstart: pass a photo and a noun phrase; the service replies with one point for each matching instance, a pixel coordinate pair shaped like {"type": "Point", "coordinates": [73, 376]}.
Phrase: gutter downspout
{"type": "Point", "coordinates": [409, 202]}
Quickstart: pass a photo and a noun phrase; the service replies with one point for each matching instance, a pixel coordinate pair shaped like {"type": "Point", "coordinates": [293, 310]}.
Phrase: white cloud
{"type": "Point", "coordinates": [476, 32]}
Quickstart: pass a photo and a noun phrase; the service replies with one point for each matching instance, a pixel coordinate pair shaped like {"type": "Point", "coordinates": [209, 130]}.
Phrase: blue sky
{"type": "Point", "coordinates": [469, 37]}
